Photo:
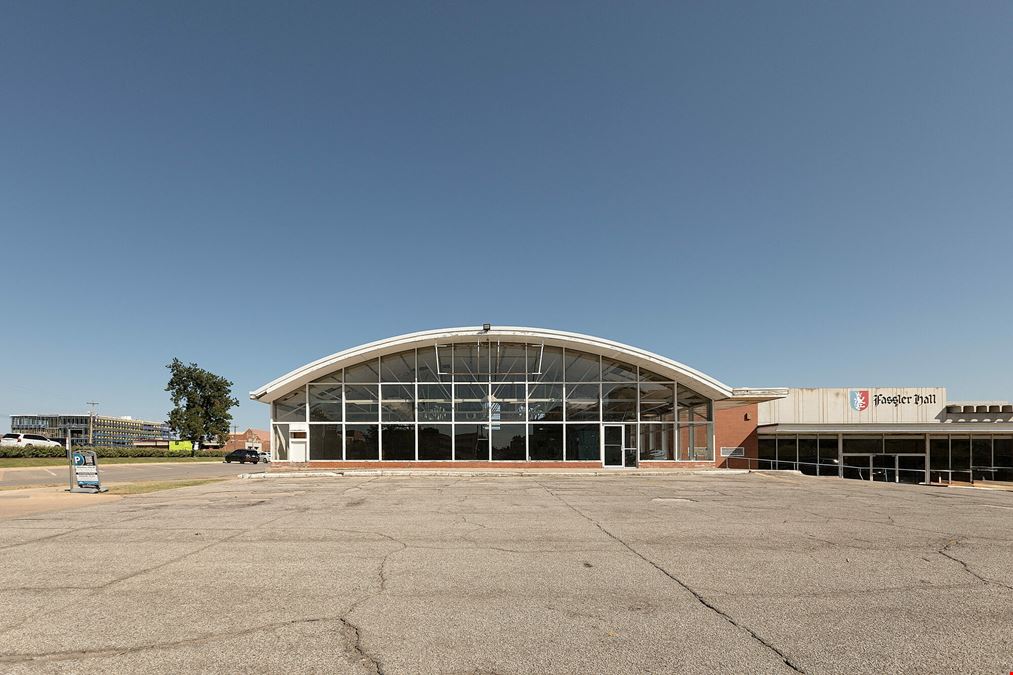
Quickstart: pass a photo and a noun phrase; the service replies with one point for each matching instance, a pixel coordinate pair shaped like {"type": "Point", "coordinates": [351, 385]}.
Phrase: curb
{"type": "Point", "coordinates": [352, 473]}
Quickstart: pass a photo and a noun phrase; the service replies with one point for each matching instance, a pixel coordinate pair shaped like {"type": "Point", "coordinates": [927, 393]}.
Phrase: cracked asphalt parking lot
{"type": "Point", "coordinates": [688, 573]}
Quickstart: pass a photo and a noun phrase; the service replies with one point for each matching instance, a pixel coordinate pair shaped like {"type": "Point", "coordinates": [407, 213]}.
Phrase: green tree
{"type": "Point", "coordinates": [202, 402]}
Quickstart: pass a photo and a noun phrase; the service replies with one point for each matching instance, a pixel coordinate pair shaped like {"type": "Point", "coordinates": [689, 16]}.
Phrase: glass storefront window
{"type": "Point", "coordinates": [860, 444]}
{"type": "Point", "coordinates": [507, 403]}
{"type": "Point", "coordinates": [508, 442]}
{"type": "Point", "coordinates": [361, 403]}
{"type": "Point", "coordinates": [545, 442]}
{"type": "Point", "coordinates": [362, 441]}
{"type": "Point", "coordinates": [828, 456]}
{"type": "Point", "coordinates": [471, 362]}
{"type": "Point", "coordinates": [695, 442]}
{"type": "Point", "coordinates": [617, 371]}
{"type": "Point", "coordinates": [787, 452]}
{"type": "Point", "coordinates": [766, 452]}
{"type": "Point", "coordinates": [398, 442]}
{"type": "Point", "coordinates": [398, 402]}
{"type": "Point", "coordinates": [435, 403]}
{"type": "Point", "coordinates": [436, 442]}
{"type": "Point", "coordinates": [545, 363]}
{"type": "Point", "coordinates": [657, 402]}
{"type": "Point", "coordinates": [280, 442]}
{"type": "Point", "coordinates": [545, 402]}
{"type": "Point", "coordinates": [509, 362]}
{"type": "Point", "coordinates": [291, 407]}
{"type": "Point", "coordinates": [583, 443]}
{"type": "Point", "coordinates": [581, 367]}
{"type": "Point", "coordinates": [808, 455]}
{"type": "Point", "coordinates": [429, 368]}
{"type": "Point", "coordinates": [398, 367]}
{"type": "Point", "coordinates": [325, 442]}
{"type": "Point", "coordinates": [366, 372]}
{"type": "Point", "coordinates": [619, 402]}
{"type": "Point", "coordinates": [657, 442]}
{"type": "Point", "coordinates": [325, 402]}
{"type": "Point", "coordinates": [582, 402]}
{"type": "Point", "coordinates": [470, 402]}
{"type": "Point", "coordinates": [471, 442]}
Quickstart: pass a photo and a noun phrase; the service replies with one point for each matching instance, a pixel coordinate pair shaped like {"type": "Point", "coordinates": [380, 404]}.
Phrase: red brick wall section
{"type": "Point", "coordinates": [734, 427]}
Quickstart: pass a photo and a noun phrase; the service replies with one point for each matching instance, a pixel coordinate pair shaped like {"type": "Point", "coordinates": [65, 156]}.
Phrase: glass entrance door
{"type": "Point", "coordinates": [612, 440]}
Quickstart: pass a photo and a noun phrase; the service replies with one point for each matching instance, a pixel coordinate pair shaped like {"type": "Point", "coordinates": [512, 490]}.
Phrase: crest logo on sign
{"type": "Point", "coordinates": [859, 399]}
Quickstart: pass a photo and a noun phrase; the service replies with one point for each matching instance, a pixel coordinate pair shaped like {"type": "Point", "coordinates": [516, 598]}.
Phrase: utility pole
{"type": "Point", "coordinates": [91, 422]}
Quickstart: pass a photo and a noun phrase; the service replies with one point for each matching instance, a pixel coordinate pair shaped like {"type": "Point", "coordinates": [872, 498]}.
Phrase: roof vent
{"type": "Point", "coordinates": [953, 409]}
{"type": "Point", "coordinates": [968, 409]}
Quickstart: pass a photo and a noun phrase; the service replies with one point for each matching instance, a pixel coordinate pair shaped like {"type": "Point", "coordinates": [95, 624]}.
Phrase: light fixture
{"type": "Point", "coordinates": [486, 327]}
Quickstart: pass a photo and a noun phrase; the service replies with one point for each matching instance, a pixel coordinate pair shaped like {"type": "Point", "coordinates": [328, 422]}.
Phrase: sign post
{"type": "Point", "coordinates": [84, 469]}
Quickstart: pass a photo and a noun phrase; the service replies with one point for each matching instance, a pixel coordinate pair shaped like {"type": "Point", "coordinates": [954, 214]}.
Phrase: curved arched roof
{"type": "Point", "coordinates": [704, 384]}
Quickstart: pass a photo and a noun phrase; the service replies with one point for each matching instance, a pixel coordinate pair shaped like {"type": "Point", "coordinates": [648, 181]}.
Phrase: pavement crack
{"type": "Point", "coordinates": [699, 598]}
{"type": "Point", "coordinates": [944, 551]}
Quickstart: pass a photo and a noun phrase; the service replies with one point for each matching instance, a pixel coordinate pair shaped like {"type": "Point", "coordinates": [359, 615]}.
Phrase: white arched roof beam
{"type": "Point", "coordinates": [694, 379]}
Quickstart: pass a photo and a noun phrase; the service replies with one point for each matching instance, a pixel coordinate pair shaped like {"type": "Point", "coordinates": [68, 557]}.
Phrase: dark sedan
{"type": "Point", "coordinates": [243, 456]}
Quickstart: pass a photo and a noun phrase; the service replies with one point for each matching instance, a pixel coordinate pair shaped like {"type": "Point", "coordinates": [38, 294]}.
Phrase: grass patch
{"type": "Point", "coordinates": [145, 487]}
{"type": "Point", "coordinates": [13, 462]}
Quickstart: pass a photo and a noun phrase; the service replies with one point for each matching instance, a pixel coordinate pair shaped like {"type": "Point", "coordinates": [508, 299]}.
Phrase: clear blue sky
{"type": "Point", "coordinates": [776, 193]}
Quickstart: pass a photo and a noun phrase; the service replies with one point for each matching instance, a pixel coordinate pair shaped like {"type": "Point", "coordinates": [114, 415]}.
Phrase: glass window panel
{"type": "Point", "coordinates": [545, 402]}
{"type": "Point", "coordinates": [329, 378]}
{"type": "Point", "coordinates": [471, 362]}
{"type": "Point", "coordinates": [471, 442]}
{"type": "Point", "coordinates": [470, 402]}
{"type": "Point", "coordinates": [648, 376]}
{"type": "Point", "coordinates": [693, 407]}
{"type": "Point", "coordinates": [617, 371]}
{"type": "Point", "coordinates": [398, 442]}
{"type": "Point", "coordinates": [766, 452]}
{"type": "Point", "coordinates": [828, 456]}
{"type": "Point", "coordinates": [325, 402]}
{"type": "Point", "coordinates": [509, 363]}
{"type": "Point", "coordinates": [862, 444]}
{"type": "Point", "coordinates": [582, 402]}
{"type": "Point", "coordinates": [581, 367]}
{"type": "Point", "coordinates": [361, 403]}
{"type": "Point", "coordinates": [657, 402]}
{"type": "Point", "coordinates": [325, 441]}
{"type": "Point", "coordinates": [909, 445]}
{"type": "Point", "coordinates": [960, 454]}
{"type": "Point", "coordinates": [508, 442]}
{"type": "Point", "coordinates": [507, 403]}
{"type": "Point", "coordinates": [583, 443]}
{"type": "Point", "coordinates": [545, 442]}
{"type": "Point", "coordinates": [366, 372]}
{"type": "Point", "coordinates": [436, 442]}
{"type": "Point", "coordinates": [981, 451]}
{"type": "Point", "coordinates": [657, 442]}
{"type": "Point", "coordinates": [694, 442]}
{"type": "Point", "coordinates": [939, 453]}
{"type": "Point", "coordinates": [280, 443]}
{"type": "Point", "coordinates": [362, 441]}
{"type": "Point", "coordinates": [545, 364]}
{"type": "Point", "coordinates": [291, 407]}
{"type": "Point", "coordinates": [429, 369]}
{"type": "Point", "coordinates": [398, 367]}
{"type": "Point", "coordinates": [1002, 452]}
{"type": "Point", "coordinates": [808, 455]}
{"type": "Point", "coordinates": [619, 402]}
{"type": "Point", "coordinates": [787, 452]}
{"type": "Point", "coordinates": [398, 402]}
{"type": "Point", "coordinates": [435, 403]}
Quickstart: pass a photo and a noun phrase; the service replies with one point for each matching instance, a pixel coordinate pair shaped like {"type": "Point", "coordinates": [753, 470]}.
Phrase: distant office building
{"type": "Point", "coordinates": [85, 429]}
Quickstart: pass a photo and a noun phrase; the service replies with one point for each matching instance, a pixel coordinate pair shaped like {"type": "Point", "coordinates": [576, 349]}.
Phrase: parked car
{"type": "Point", "coordinates": [243, 456]}
{"type": "Point", "coordinates": [265, 457]}
{"type": "Point", "coordinates": [16, 440]}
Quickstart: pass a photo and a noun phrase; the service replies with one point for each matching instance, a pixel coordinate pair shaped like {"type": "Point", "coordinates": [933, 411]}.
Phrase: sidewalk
{"type": "Point", "coordinates": [28, 501]}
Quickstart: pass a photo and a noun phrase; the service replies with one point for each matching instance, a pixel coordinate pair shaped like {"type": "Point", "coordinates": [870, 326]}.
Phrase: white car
{"type": "Point", "coordinates": [18, 440]}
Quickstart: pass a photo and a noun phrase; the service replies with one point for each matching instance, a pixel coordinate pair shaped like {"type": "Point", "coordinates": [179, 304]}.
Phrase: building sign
{"type": "Point", "coordinates": [871, 405]}
{"type": "Point", "coordinates": [181, 445]}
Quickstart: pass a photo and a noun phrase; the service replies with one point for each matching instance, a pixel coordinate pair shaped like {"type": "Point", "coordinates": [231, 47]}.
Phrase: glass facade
{"type": "Point", "coordinates": [496, 401]}
{"type": "Point", "coordinates": [892, 458]}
